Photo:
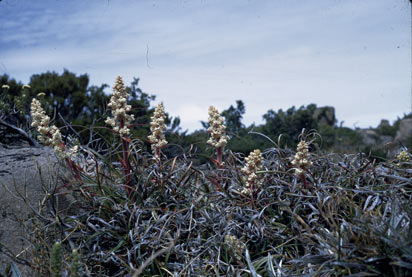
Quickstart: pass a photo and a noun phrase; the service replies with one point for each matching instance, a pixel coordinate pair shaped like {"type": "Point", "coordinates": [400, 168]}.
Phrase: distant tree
{"type": "Point", "coordinates": [67, 94]}
{"type": "Point", "coordinates": [97, 100]}
{"type": "Point", "coordinates": [14, 123]}
{"type": "Point", "coordinates": [233, 117]}
{"type": "Point", "coordinates": [70, 100]}
{"type": "Point", "coordinates": [290, 123]}
{"type": "Point", "coordinates": [15, 87]}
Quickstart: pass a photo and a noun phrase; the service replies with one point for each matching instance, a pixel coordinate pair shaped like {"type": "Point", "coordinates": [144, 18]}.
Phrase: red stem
{"type": "Point", "coordinates": [126, 165]}
{"type": "Point", "coordinates": [157, 155]}
{"type": "Point", "coordinates": [219, 156]}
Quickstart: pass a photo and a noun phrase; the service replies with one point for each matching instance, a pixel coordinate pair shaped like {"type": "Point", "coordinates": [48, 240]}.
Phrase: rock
{"type": "Point", "coordinates": [10, 138]}
{"type": "Point", "coordinates": [369, 136]}
{"type": "Point", "coordinates": [15, 136]}
{"type": "Point", "coordinates": [390, 144]}
{"type": "Point", "coordinates": [385, 139]}
{"type": "Point", "coordinates": [19, 172]}
{"type": "Point", "coordinates": [325, 115]}
{"type": "Point", "coordinates": [404, 133]}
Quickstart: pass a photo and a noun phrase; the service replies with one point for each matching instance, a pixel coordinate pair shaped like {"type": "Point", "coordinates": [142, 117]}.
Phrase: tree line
{"type": "Point", "coordinates": [79, 108]}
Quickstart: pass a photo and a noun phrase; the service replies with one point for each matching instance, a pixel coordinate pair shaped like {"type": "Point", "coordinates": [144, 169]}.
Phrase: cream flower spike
{"type": "Point", "coordinates": [253, 164]}
{"type": "Point", "coordinates": [300, 160]}
{"type": "Point", "coordinates": [403, 156]}
{"type": "Point", "coordinates": [217, 129]}
{"type": "Point", "coordinates": [157, 127]}
{"type": "Point", "coordinates": [236, 245]}
{"type": "Point", "coordinates": [121, 119]}
{"type": "Point", "coordinates": [48, 135]}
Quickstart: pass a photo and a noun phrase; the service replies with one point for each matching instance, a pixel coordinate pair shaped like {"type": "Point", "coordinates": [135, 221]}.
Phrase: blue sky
{"type": "Point", "coordinates": [353, 55]}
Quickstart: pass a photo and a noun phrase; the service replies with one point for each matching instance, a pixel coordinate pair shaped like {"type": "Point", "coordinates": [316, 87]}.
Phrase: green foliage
{"type": "Point", "coordinates": [65, 93]}
{"type": "Point", "coordinates": [375, 153]}
{"type": "Point", "coordinates": [74, 104]}
{"type": "Point", "coordinates": [15, 87]}
{"type": "Point", "coordinates": [233, 118]}
{"type": "Point", "coordinates": [387, 131]}
{"type": "Point", "coordinates": [75, 265]}
{"type": "Point", "coordinates": [56, 260]}
{"type": "Point", "coordinates": [281, 126]}
{"type": "Point", "coordinates": [247, 140]}
{"type": "Point", "coordinates": [290, 123]}
{"type": "Point", "coordinates": [14, 101]}
{"type": "Point", "coordinates": [339, 139]}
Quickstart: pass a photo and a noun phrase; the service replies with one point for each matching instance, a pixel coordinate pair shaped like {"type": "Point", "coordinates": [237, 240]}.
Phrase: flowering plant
{"type": "Point", "coordinates": [253, 164]}
{"type": "Point", "coordinates": [118, 104]}
{"type": "Point", "coordinates": [120, 124]}
{"type": "Point", "coordinates": [157, 126]}
{"type": "Point", "coordinates": [300, 160]}
{"type": "Point", "coordinates": [217, 131]}
{"type": "Point", "coordinates": [51, 136]}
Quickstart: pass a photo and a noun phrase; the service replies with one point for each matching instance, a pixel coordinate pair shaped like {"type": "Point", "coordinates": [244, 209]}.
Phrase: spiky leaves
{"type": "Point", "coordinates": [56, 260]}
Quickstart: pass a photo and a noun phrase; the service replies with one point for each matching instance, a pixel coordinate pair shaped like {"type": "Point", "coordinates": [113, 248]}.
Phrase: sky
{"type": "Point", "coordinates": [274, 54]}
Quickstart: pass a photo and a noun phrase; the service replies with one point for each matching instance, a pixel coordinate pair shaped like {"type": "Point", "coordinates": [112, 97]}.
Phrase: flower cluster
{"type": "Point", "coordinates": [253, 164]}
{"type": "Point", "coordinates": [49, 135]}
{"type": "Point", "coordinates": [73, 151]}
{"type": "Point", "coordinates": [235, 245]}
{"type": "Point", "coordinates": [120, 119]}
{"type": "Point", "coordinates": [403, 156]}
{"type": "Point", "coordinates": [218, 137]}
{"type": "Point", "coordinates": [157, 126]}
{"type": "Point", "coordinates": [300, 160]}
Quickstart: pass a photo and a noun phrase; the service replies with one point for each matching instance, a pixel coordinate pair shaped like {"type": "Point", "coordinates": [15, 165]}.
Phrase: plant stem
{"type": "Point", "coordinates": [219, 156]}
{"type": "Point", "coordinates": [126, 164]}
